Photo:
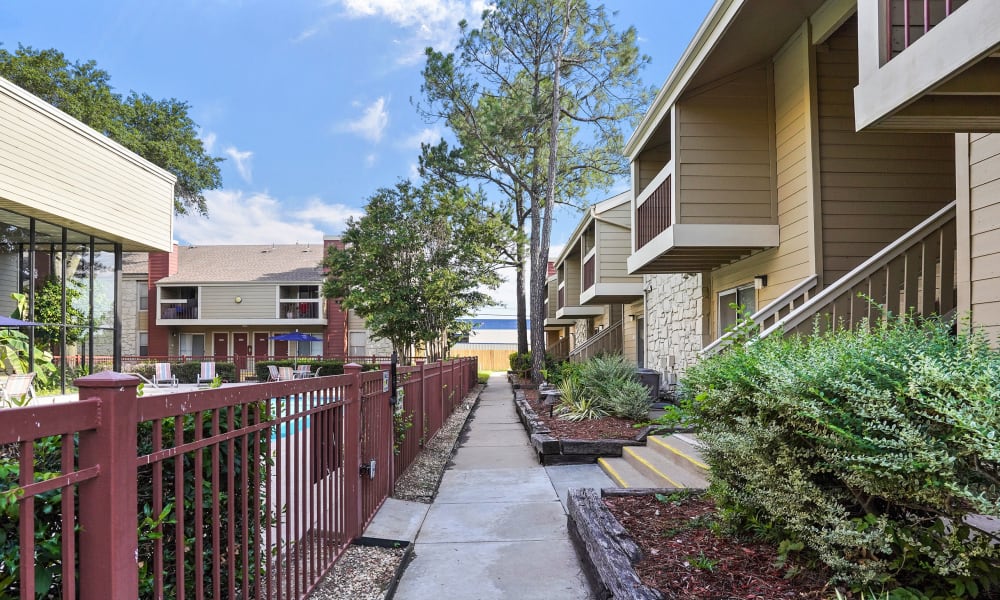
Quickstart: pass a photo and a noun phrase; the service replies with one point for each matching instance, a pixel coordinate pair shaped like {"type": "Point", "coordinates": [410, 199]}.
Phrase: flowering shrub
{"type": "Point", "coordinates": [872, 448]}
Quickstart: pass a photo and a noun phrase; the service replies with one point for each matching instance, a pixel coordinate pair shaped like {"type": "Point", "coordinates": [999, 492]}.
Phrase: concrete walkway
{"type": "Point", "coordinates": [497, 528]}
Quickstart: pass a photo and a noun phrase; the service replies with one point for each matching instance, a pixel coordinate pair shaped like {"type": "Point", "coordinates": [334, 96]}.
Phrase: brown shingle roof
{"type": "Point", "coordinates": [212, 264]}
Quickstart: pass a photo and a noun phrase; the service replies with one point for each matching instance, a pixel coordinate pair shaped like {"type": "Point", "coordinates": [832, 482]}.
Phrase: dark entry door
{"type": "Point", "coordinates": [220, 346]}
{"type": "Point", "coordinates": [240, 349]}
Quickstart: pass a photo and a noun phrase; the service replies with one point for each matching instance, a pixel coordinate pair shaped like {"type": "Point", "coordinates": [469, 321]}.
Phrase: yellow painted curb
{"type": "Point", "coordinates": [683, 455]}
{"type": "Point", "coordinates": [649, 466]}
{"type": "Point", "coordinates": [611, 471]}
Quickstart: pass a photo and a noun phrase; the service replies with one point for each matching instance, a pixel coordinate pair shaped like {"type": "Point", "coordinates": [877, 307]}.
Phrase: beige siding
{"type": "Point", "coordinates": [633, 312]}
{"type": "Point", "coordinates": [8, 281]}
{"type": "Point", "coordinates": [875, 185]}
{"type": "Point", "coordinates": [54, 167]}
{"type": "Point", "coordinates": [572, 279]}
{"type": "Point", "coordinates": [724, 152]}
{"type": "Point", "coordinates": [613, 248]}
{"type": "Point", "coordinates": [791, 262]}
{"type": "Point", "coordinates": [984, 233]}
{"type": "Point", "coordinates": [218, 302]}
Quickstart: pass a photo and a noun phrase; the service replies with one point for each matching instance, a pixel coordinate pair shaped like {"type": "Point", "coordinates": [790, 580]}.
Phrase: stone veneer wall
{"type": "Point", "coordinates": [128, 296]}
{"type": "Point", "coordinates": [582, 329]}
{"type": "Point", "coordinates": [677, 322]}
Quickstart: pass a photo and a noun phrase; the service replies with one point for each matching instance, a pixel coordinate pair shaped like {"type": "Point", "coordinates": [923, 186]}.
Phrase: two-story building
{"type": "Point", "coordinates": [229, 301]}
{"type": "Point", "coordinates": [804, 152]}
{"type": "Point", "coordinates": [71, 202]}
{"type": "Point", "coordinates": [593, 300]}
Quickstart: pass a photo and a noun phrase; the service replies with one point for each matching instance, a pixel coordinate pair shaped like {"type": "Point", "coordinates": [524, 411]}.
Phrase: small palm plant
{"type": "Point", "coordinates": [575, 405]}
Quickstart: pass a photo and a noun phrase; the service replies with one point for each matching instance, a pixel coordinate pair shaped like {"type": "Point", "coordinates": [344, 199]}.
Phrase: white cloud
{"type": "Point", "coordinates": [208, 141]}
{"type": "Point", "coordinates": [427, 135]}
{"type": "Point", "coordinates": [334, 215]}
{"type": "Point", "coordinates": [236, 217]}
{"type": "Point", "coordinates": [372, 122]}
{"type": "Point", "coordinates": [241, 160]}
{"type": "Point", "coordinates": [428, 22]}
{"type": "Point", "coordinates": [370, 160]}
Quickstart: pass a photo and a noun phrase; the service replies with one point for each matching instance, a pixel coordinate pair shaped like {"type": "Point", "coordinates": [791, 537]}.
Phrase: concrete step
{"type": "Point", "coordinates": [657, 467]}
{"type": "Point", "coordinates": [682, 450]}
{"type": "Point", "coordinates": [623, 474]}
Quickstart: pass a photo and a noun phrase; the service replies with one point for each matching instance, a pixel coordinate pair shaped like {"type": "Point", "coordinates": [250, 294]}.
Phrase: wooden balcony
{"type": "Point", "coordinates": [928, 65]}
{"type": "Point", "coordinates": [607, 341]}
{"type": "Point", "coordinates": [588, 272]}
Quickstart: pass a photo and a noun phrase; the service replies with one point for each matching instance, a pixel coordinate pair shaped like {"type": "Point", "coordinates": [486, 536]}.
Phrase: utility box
{"type": "Point", "coordinates": [651, 379]}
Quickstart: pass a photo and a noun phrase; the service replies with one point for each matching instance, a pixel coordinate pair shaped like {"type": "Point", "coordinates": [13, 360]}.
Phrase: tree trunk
{"type": "Point", "coordinates": [540, 259]}
{"type": "Point", "coordinates": [522, 309]}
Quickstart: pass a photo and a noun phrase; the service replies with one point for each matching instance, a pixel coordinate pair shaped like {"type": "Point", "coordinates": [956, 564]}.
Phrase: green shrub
{"type": "Point", "coordinates": [482, 377]}
{"type": "Point", "coordinates": [870, 447]}
{"type": "Point", "coordinates": [520, 362]}
{"type": "Point", "coordinates": [613, 381]}
{"type": "Point", "coordinates": [562, 371]}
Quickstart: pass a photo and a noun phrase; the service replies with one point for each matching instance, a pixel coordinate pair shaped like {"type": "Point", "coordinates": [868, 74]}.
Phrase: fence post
{"type": "Point", "coordinates": [422, 405]}
{"type": "Point", "coordinates": [109, 542]}
{"type": "Point", "coordinates": [352, 451]}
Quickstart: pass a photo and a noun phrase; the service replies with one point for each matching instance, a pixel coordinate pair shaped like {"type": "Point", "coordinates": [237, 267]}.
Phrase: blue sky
{"type": "Point", "coordinates": [309, 101]}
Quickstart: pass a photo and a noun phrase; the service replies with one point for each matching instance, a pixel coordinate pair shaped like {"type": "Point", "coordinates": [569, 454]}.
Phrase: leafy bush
{"type": "Point", "coordinates": [482, 377]}
{"type": "Point", "coordinates": [520, 362]}
{"type": "Point", "coordinates": [870, 447]}
{"type": "Point", "coordinates": [562, 371]}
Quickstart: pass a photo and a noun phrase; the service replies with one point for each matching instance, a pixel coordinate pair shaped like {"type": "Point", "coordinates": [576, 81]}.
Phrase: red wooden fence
{"type": "Point", "coordinates": [243, 491]}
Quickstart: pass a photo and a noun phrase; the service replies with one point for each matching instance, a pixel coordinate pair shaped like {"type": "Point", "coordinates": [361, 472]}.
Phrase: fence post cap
{"type": "Point", "coordinates": [353, 366]}
{"type": "Point", "coordinates": [107, 379]}
{"type": "Point", "coordinates": [420, 362]}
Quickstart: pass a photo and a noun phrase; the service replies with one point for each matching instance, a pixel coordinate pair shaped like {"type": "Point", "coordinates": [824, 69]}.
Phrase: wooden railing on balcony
{"type": "Point", "coordinates": [782, 306]}
{"type": "Point", "coordinates": [915, 273]}
{"type": "Point", "coordinates": [607, 341]}
{"type": "Point", "coordinates": [908, 20]}
{"type": "Point", "coordinates": [652, 209]}
{"type": "Point", "coordinates": [559, 350]}
{"type": "Point", "coordinates": [588, 272]}
{"type": "Point", "coordinates": [561, 298]}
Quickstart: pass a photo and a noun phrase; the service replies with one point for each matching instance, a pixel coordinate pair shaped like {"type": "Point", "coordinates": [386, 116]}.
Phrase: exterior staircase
{"type": "Point", "coordinates": [671, 461]}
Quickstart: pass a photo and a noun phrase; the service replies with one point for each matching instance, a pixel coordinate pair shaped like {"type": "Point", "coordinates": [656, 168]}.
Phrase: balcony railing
{"type": "Point", "coordinates": [588, 272]}
{"type": "Point", "coordinates": [916, 273]}
{"type": "Point", "coordinates": [559, 349]}
{"type": "Point", "coordinates": [299, 310]}
{"type": "Point", "coordinates": [561, 298]}
{"type": "Point", "coordinates": [178, 310]}
{"type": "Point", "coordinates": [652, 209]}
{"type": "Point", "coordinates": [908, 20]}
{"type": "Point", "coordinates": [607, 341]}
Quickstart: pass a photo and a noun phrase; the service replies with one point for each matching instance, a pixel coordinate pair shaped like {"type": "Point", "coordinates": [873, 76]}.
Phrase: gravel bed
{"type": "Point", "coordinates": [420, 482]}
{"type": "Point", "coordinates": [364, 572]}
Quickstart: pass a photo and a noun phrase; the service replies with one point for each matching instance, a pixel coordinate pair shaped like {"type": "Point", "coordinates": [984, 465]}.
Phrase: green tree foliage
{"type": "Point", "coordinates": [415, 263]}
{"type": "Point", "coordinates": [161, 131]}
{"type": "Point", "coordinates": [538, 98]}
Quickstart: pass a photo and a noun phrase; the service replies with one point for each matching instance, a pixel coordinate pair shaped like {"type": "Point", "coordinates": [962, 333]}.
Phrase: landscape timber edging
{"type": "Point", "coordinates": [390, 590]}
{"type": "Point", "coordinates": [607, 551]}
{"type": "Point", "coordinates": [553, 451]}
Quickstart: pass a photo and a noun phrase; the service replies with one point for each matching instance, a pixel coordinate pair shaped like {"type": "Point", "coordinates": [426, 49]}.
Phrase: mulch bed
{"type": "Point", "coordinates": [608, 428]}
{"type": "Point", "coordinates": [685, 559]}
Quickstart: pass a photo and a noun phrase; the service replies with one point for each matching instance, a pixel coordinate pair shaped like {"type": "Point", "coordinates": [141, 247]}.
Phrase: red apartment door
{"type": "Point", "coordinates": [240, 350]}
{"type": "Point", "coordinates": [220, 346]}
{"type": "Point", "coordinates": [260, 344]}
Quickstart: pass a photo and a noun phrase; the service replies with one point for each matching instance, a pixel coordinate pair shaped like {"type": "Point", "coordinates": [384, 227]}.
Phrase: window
{"type": "Point", "coordinates": [358, 343]}
{"type": "Point", "coordinates": [192, 344]}
{"type": "Point", "coordinates": [143, 343]}
{"type": "Point", "coordinates": [744, 296]}
{"type": "Point", "coordinates": [142, 292]}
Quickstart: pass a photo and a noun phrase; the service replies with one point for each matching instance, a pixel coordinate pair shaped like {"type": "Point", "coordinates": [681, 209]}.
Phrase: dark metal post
{"type": "Point", "coordinates": [393, 382]}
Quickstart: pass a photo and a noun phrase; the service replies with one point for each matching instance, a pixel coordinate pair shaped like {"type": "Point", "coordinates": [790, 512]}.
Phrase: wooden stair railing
{"type": "Point", "coordinates": [915, 273]}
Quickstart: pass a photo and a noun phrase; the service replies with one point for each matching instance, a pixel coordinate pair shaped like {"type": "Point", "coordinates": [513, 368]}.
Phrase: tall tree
{"type": "Point", "coordinates": [414, 264]}
{"type": "Point", "coordinates": [538, 98]}
{"type": "Point", "coordinates": [161, 131]}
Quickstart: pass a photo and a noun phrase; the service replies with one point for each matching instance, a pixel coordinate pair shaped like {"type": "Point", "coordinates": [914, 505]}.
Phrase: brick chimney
{"type": "Point", "coordinates": [335, 336]}
{"type": "Point", "coordinates": [161, 265]}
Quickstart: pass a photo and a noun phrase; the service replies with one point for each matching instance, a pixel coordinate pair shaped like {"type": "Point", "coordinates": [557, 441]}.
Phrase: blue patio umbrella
{"type": "Point", "coordinates": [12, 322]}
{"type": "Point", "coordinates": [296, 336]}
